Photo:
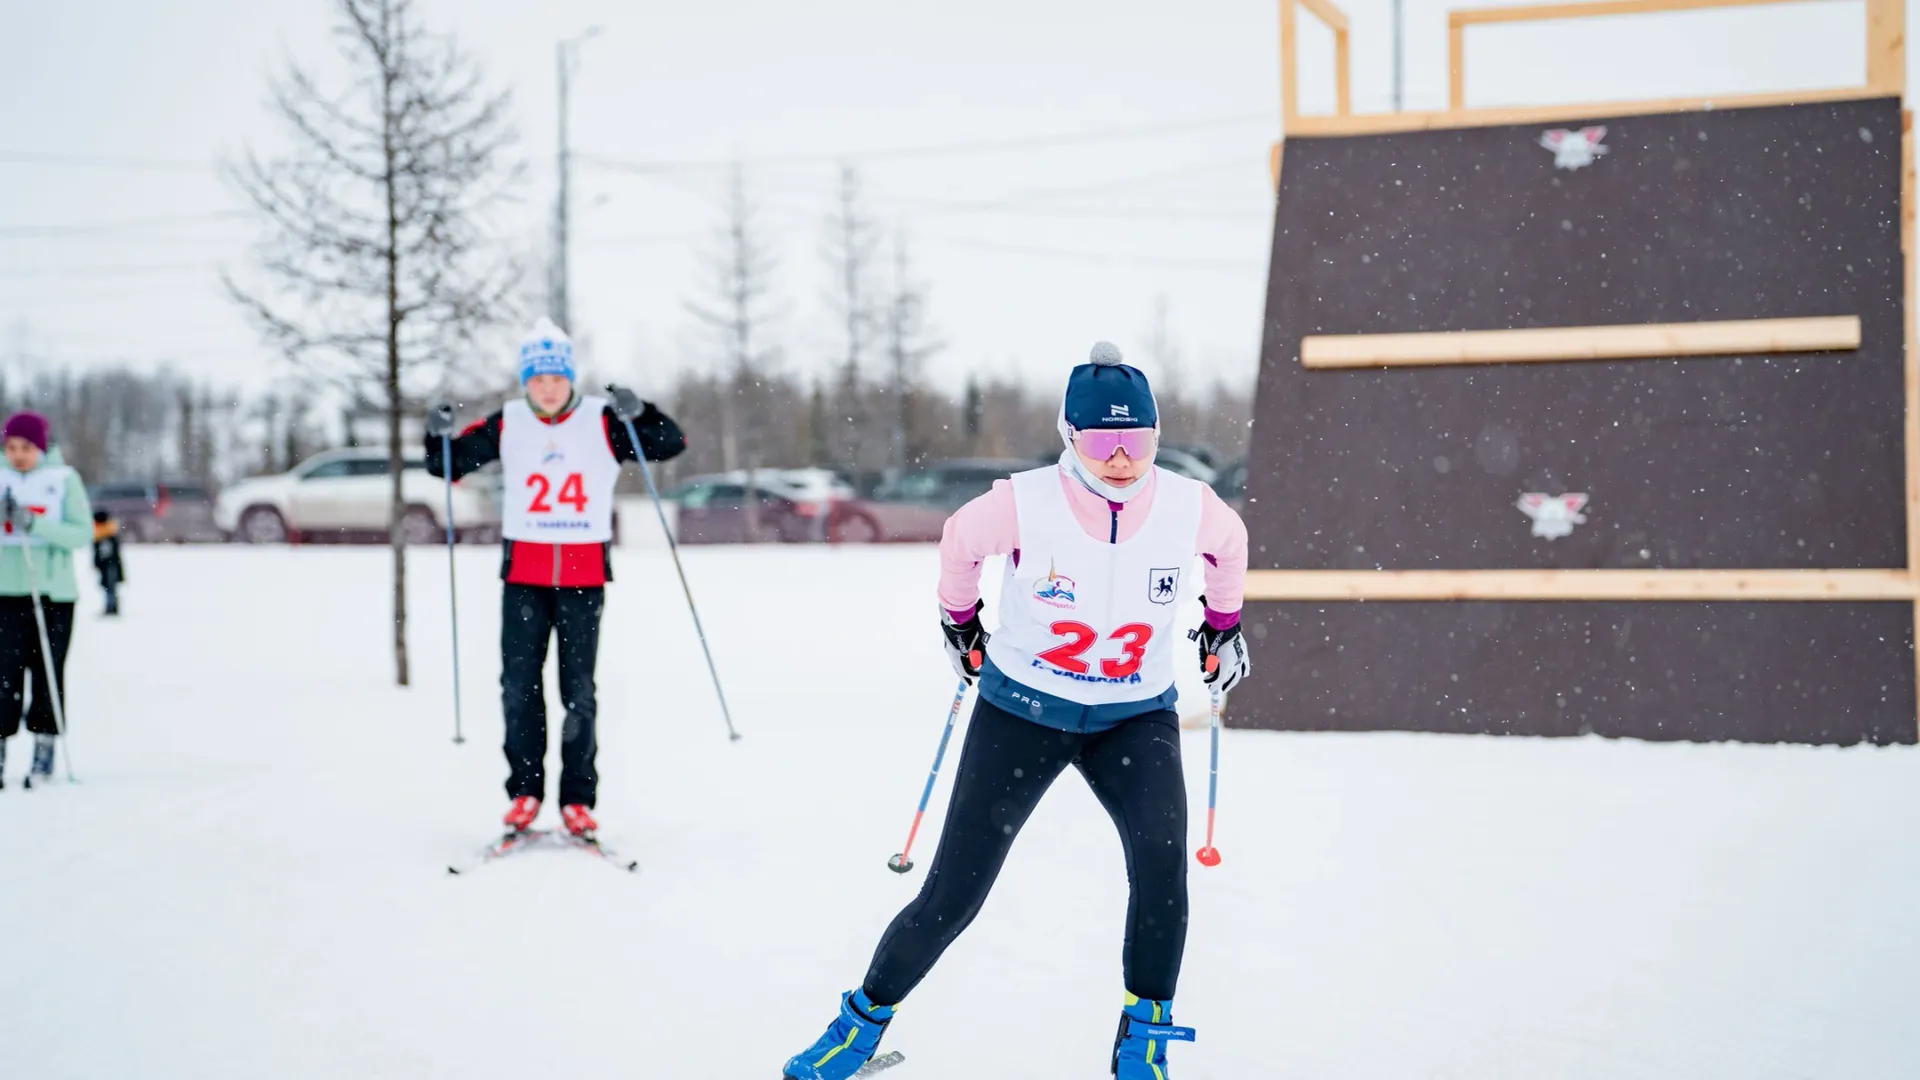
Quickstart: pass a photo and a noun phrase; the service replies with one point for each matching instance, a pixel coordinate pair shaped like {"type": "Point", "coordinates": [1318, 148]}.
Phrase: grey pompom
{"type": "Point", "coordinates": [1105, 353]}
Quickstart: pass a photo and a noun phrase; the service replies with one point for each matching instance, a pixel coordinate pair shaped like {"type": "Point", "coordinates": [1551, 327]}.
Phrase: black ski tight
{"type": "Point", "coordinates": [21, 665]}
{"type": "Point", "coordinates": [529, 616]}
{"type": "Point", "coordinates": [1006, 765]}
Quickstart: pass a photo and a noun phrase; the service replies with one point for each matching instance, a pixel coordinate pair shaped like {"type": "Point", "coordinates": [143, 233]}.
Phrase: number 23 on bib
{"type": "Point", "coordinates": [1088, 620]}
{"type": "Point", "coordinates": [558, 478]}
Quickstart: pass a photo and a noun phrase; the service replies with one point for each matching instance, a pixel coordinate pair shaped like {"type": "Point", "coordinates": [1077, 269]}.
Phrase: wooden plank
{"type": "Point", "coordinates": [1557, 115]}
{"type": "Point", "coordinates": [1577, 585]}
{"type": "Point", "coordinates": [1456, 69]}
{"type": "Point", "coordinates": [1324, 10]}
{"type": "Point", "coordinates": [1342, 73]}
{"type": "Point", "coordinates": [1739, 337]}
{"type": "Point", "coordinates": [1545, 12]}
{"type": "Point", "coordinates": [1887, 47]}
{"type": "Point", "coordinates": [1273, 163]}
{"type": "Point", "coordinates": [1289, 66]}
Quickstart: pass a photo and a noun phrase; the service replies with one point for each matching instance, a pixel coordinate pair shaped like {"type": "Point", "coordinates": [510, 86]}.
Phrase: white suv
{"type": "Point", "coordinates": [344, 495]}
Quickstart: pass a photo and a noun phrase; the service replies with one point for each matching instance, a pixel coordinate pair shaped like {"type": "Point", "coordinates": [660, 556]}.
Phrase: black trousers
{"type": "Point", "coordinates": [530, 614]}
{"type": "Point", "coordinates": [20, 664]}
{"type": "Point", "coordinates": [1005, 766]}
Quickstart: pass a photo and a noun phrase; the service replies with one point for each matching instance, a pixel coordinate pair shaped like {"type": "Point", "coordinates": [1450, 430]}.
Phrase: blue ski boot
{"type": "Point", "coordinates": [1140, 1047]}
{"type": "Point", "coordinates": [42, 771]}
{"type": "Point", "coordinates": [848, 1043]}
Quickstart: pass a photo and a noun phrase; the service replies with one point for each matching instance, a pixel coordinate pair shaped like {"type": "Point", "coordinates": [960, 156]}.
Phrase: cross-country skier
{"type": "Point", "coordinates": [560, 452]}
{"type": "Point", "coordinates": [45, 517]}
{"type": "Point", "coordinates": [1080, 673]}
{"type": "Point", "coordinates": [106, 559]}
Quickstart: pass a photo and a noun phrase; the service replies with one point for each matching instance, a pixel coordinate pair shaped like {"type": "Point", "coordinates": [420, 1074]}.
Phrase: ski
{"type": "Point", "coordinates": [528, 839]}
{"type": "Point", "coordinates": [506, 845]}
{"type": "Point", "coordinates": [881, 1064]}
{"type": "Point", "coordinates": [593, 846]}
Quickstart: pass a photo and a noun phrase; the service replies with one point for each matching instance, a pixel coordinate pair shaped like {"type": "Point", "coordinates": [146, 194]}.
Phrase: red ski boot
{"type": "Point", "coordinates": [579, 820]}
{"type": "Point", "coordinates": [520, 813]}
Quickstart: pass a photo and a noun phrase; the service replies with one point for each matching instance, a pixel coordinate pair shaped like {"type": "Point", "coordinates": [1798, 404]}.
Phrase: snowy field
{"type": "Point", "coordinates": [249, 880]}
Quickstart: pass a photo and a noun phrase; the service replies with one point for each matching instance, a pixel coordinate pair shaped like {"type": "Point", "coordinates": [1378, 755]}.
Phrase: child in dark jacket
{"type": "Point", "coordinates": [106, 558]}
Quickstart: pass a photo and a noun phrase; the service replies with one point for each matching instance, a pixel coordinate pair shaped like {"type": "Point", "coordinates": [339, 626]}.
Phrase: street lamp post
{"type": "Point", "coordinates": [566, 58]}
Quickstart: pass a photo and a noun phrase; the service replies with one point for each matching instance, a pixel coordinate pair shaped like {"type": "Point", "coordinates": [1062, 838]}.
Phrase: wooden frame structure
{"type": "Point", "coordinates": [1564, 585]}
{"type": "Point", "coordinates": [1885, 46]}
{"type": "Point", "coordinates": [1336, 20]}
{"type": "Point", "coordinates": [1737, 337]}
{"type": "Point", "coordinates": [1885, 54]}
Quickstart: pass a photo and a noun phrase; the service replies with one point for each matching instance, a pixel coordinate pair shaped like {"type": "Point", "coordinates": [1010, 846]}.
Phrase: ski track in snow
{"type": "Point", "coordinates": [250, 879]}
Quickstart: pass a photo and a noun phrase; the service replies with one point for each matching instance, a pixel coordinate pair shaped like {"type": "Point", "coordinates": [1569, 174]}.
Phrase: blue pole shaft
{"type": "Point", "coordinates": [674, 548]}
{"type": "Point", "coordinates": [902, 862]}
{"type": "Point", "coordinates": [453, 582]}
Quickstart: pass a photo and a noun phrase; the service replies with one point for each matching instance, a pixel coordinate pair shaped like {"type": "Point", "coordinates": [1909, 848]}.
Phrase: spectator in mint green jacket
{"type": "Point", "coordinates": [44, 519]}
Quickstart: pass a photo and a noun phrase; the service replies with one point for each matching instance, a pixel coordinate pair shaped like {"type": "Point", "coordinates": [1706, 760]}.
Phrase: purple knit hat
{"type": "Point", "coordinates": [28, 425]}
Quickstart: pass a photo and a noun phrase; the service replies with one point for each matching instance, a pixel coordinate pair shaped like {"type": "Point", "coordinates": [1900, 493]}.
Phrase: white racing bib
{"type": "Point", "coordinates": [43, 491]}
{"type": "Point", "coordinates": [559, 478]}
{"type": "Point", "coordinates": [1087, 620]}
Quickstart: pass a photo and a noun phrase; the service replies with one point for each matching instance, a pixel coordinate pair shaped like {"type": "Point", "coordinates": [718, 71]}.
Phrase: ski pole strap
{"type": "Point", "coordinates": [1158, 1032]}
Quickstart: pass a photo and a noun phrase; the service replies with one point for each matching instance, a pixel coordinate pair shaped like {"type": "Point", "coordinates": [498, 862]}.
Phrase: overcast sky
{"type": "Point", "coordinates": [1141, 169]}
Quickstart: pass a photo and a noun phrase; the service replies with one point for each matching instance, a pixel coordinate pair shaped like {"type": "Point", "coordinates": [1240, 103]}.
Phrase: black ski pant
{"type": "Point", "coordinates": [21, 666]}
{"type": "Point", "coordinates": [1006, 764]}
{"type": "Point", "coordinates": [530, 614]}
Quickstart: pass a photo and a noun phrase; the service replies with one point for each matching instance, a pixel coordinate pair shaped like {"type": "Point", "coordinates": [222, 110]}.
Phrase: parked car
{"type": "Point", "coordinates": [714, 510]}
{"type": "Point", "coordinates": [153, 511]}
{"type": "Point", "coordinates": [1232, 484]}
{"type": "Point", "coordinates": [948, 485]}
{"type": "Point", "coordinates": [344, 495]}
{"type": "Point", "coordinates": [914, 506]}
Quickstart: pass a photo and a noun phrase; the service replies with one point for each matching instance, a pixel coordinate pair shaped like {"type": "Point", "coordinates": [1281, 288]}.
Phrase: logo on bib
{"type": "Point", "coordinates": [553, 453]}
{"type": "Point", "coordinates": [1054, 590]}
{"type": "Point", "coordinates": [1163, 585]}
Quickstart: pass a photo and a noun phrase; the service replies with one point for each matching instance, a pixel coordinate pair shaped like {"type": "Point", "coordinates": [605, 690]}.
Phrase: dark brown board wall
{"type": "Point", "coordinates": [1738, 462]}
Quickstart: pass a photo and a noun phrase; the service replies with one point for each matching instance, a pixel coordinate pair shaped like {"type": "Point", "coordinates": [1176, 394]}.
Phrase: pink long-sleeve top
{"type": "Point", "coordinates": [989, 525]}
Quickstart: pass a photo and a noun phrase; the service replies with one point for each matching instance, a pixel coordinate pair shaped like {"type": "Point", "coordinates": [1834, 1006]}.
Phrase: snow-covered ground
{"type": "Point", "coordinates": [249, 880]}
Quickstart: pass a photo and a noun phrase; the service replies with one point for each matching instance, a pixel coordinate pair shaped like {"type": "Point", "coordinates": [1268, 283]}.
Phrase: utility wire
{"type": "Point", "coordinates": [90, 161]}
{"type": "Point", "coordinates": [936, 150]}
{"type": "Point", "coordinates": [29, 232]}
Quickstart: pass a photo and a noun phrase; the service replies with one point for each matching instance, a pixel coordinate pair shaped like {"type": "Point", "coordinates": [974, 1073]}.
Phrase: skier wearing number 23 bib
{"type": "Point", "coordinates": [1079, 673]}
{"type": "Point", "coordinates": [560, 454]}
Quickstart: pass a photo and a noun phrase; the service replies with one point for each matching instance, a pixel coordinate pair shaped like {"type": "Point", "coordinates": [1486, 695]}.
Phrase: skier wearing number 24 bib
{"type": "Point", "coordinates": [560, 454]}
{"type": "Point", "coordinates": [1080, 673]}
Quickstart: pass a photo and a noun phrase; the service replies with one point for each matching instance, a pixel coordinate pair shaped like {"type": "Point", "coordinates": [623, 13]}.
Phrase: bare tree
{"type": "Point", "coordinates": [910, 344]}
{"type": "Point", "coordinates": [735, 316]}
{"type": "Point", "coordinates": [377, 264]}
{"type": "Point", "coordinates": [851, 245]}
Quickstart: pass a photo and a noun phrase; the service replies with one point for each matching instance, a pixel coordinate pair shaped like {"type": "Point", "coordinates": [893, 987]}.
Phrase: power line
{"type": "Point", "coordinates": [1238, 266]}
{"type": "Point", "coordinates": [938, 150]}
{"type": "Point", "coordinates": [28, 232]}
{"type": "Point", "coordinates": [105, 270]}
{"type": "Point", "coordinates": [90, 161]}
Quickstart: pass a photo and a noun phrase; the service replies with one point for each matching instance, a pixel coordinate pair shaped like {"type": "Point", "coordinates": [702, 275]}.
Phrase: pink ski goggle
{"type": "Point", "coordinates": [1100, 443]}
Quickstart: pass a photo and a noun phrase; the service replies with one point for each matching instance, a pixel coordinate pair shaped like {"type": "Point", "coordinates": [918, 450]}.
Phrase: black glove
{"type": "Point", "coordinates": [626, 404]}
{"type": "Point", "coordinates": [17, 518]}
{"type": "Point", "coordinates": [440, 421]}
{"type": "Point", "coordinates": [966, 642]}
{"type": "Point", "coordinates": [1223, 654]}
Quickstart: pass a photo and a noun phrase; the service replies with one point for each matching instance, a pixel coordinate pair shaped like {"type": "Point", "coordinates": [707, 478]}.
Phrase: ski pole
{"type": "Point", "coordinates": [46, 651]}
{"type": "Point", "coordinates": [901, 863]}
{"type": "Point", "coordinates": [453, 582]}
{"type": "Point", "coordinates": [1210, 855]}
{"type": "Point", "coordinates": [640, 455]}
